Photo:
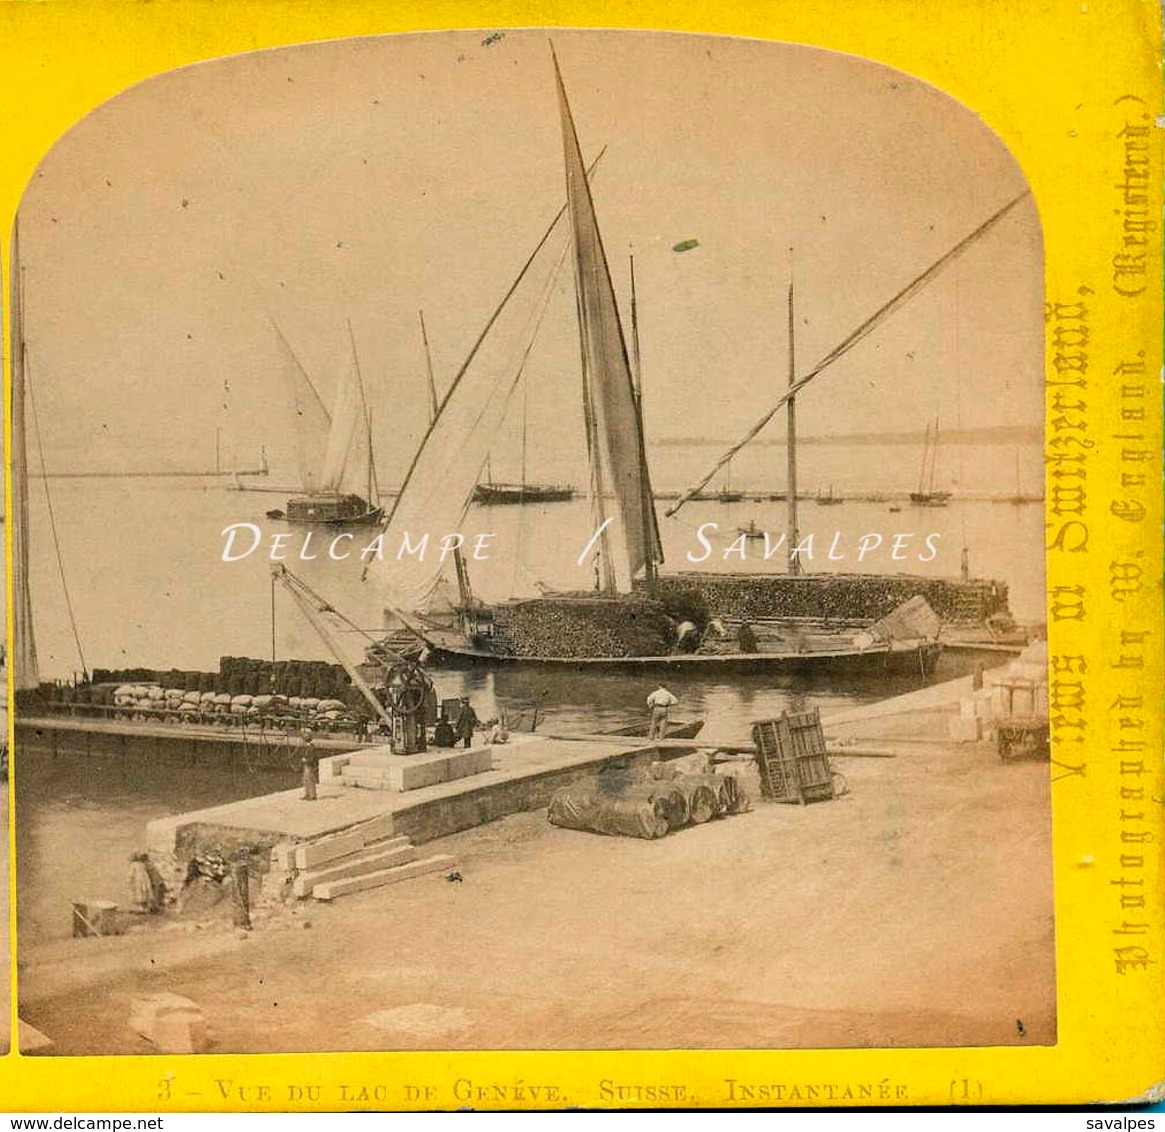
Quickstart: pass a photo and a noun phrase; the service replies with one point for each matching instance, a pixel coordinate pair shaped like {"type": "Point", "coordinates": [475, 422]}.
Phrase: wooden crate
{"type": "Point", "coordinates": [791, 758]}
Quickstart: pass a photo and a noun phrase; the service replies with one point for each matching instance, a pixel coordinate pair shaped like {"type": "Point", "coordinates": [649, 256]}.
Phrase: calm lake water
{"type": "Point", "coordinates": [143, 561]}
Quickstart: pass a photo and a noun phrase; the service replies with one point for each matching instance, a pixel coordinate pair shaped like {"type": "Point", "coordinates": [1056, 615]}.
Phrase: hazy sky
{"type": "Point", "coordinates": [366, 179]}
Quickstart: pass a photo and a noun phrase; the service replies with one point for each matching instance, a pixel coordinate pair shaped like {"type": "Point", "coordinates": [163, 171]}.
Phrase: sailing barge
{"type": "Point", "coordinates": [336, 461]}
{"type": "Point", "coordinates": [636, 617]}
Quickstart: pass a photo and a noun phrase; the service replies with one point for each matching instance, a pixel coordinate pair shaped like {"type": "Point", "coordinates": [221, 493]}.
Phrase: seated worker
{"type": "Point", "coordinates": [443, 735]}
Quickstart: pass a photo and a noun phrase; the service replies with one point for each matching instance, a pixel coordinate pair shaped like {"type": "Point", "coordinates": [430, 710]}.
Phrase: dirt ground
{"type": "Point", "coordinates": [915, 910]}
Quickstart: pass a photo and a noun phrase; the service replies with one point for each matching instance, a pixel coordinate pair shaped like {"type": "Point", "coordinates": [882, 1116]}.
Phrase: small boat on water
{"type": "Point", "coordinates": [336, 463]}
{"type": "Point", "coordinates": [676, 729]}
{"type": "Point", "coordinates": [827, 498]}
{"type": "Point", "coordinates": [492, 494]}
{"type": "Point", "coordinates": [752, 531]}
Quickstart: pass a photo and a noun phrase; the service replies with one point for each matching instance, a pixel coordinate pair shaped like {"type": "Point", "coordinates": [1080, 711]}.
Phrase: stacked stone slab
{"type": "Point", "coordinates": [366, 856]}
{"type": "Point", "coordinates": [1017, 690]}
{"type": "Point", "coordinates": [377, 768]}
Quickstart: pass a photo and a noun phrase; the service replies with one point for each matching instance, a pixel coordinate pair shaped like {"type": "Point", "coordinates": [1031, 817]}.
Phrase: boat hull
{"type": "Point", "coordinates": [853, 663]}
{"type": "Point", "coordinates": [493, 494]}
{"type": "Point", "coordinates": [332, 510]}
{"type": "Point", "coordinates": [678, 729]}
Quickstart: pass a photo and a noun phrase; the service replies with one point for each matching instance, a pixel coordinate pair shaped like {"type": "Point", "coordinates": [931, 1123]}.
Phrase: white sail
{"type": "Point", "coordinates": [345, 468]}
{"type": "Point", "coordinates": [24, 660]}
{"type": "Point", "coordinates": [610, 390]}
{"type": "Point", "coordinates": [310, 420]}
{"type": "Point", "coordinates": [439, 485]}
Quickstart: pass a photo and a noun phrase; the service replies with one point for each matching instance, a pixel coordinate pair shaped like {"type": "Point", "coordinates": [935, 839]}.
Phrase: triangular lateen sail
{"type": "Point", "coordinates": [311, 422]}
{"type": "Point", "coordinates": [438, 486]}
{"type": "Point", "coordinates": [610, 393]}
{"type": "Point", "coordinates": [346, 458]}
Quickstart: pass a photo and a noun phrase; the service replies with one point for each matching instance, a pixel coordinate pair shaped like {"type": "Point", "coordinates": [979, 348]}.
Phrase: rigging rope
{"type": "Point", "coordinates": [52, 517]}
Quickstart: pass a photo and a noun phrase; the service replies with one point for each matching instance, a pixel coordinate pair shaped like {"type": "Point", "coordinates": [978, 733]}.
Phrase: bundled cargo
{"type": "Point", "coordinates": [647, 809]}
{"type": "Point", "coordinates": [839, 597]}
{"type": "Point", "coordinates": [585, 627]}
{"type": "Point", "coordinates": [586, 807]}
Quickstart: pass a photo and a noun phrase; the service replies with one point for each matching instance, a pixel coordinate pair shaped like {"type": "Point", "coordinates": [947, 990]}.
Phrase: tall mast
{"type": "Point", "coordinates": [371, 487]}
{"type": "Point", "coordinates": [791, 438]}
{"type": "Point", "coordinates": [464, 591]}
{"type": "Point", "coordinates": [24, 659]}
{"type": "Point", "coordinates": [925, 457]}
{"type": "Point", "coordinates": [933, 458]}
{"type": "Point", "coordinates": [650, 572]}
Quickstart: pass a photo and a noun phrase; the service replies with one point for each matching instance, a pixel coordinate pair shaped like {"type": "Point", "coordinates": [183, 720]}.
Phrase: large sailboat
{"type": "Point", "coordinates": [336, 463]}
{"type": "Point", "coordinates": [629, 619]}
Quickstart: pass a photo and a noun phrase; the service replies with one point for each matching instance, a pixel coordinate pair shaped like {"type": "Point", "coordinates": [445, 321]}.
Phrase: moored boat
{"type": "Point", "coordinates": [336, 463]}
{"type": "Point", "coordinates": [492, 494]}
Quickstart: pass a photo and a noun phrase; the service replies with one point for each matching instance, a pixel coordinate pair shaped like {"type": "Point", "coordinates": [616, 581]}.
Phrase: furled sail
{"type": "Point", "coordinates": [24, 661]}
{"type": "Point", "coordinates": [311, 421]}
{"type": "Point", "coordinates": [438, 487]}
{"type": "Point", "coordinates": [610, 392]}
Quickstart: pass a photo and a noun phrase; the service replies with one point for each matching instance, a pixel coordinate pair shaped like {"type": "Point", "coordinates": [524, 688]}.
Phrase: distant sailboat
{"type": "Point", "coordinates": [828, 499]}
{"type": "Point", "coordinates": [729, 494]}
{"type": "Point", "coordinates": [926, 495]}
{"type": "Point", "coordinates": [336, 463]}
{"type": "Point", "coordinates": [1019, 498]}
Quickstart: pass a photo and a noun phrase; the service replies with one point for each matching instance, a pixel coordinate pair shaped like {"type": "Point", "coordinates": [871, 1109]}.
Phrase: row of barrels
{"type": "Point", "coordinates": [242, 676]}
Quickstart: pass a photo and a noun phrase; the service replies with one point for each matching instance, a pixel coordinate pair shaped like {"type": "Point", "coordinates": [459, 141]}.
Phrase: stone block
{"type": "Point", "coordinates": [326, 849]}
{"type": "Point", "coordinates": [332, 767]}
{"type": "Point", "coordinates": [173, 1023]}
{"type": "Point", "coordinates": [370, 756]}
{"type": "Point", "coordinates": [967, 707]}
{"type": "Point", "coordinates": [331, 889]}
{"type": "Point", "coordinates": [964, 729]}
{"type": "Point", "coordinates": [368, 861]}
{"type": "Point", "coordinates": [283, 856]}
{"type": "Point", "coordinates": [370, 780]}
{"type": "Point", "coordinates": [415, 773]}
{"type": "Point", "coordinates": [375, 830]}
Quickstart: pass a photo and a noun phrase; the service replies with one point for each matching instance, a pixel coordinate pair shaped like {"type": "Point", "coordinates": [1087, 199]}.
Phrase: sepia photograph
{"type": "Point", "coordinates": [530, 539]}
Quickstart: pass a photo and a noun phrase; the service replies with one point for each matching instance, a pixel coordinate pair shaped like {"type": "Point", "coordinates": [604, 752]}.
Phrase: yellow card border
{"type": "Point", "coordinates": [1074, 89]}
